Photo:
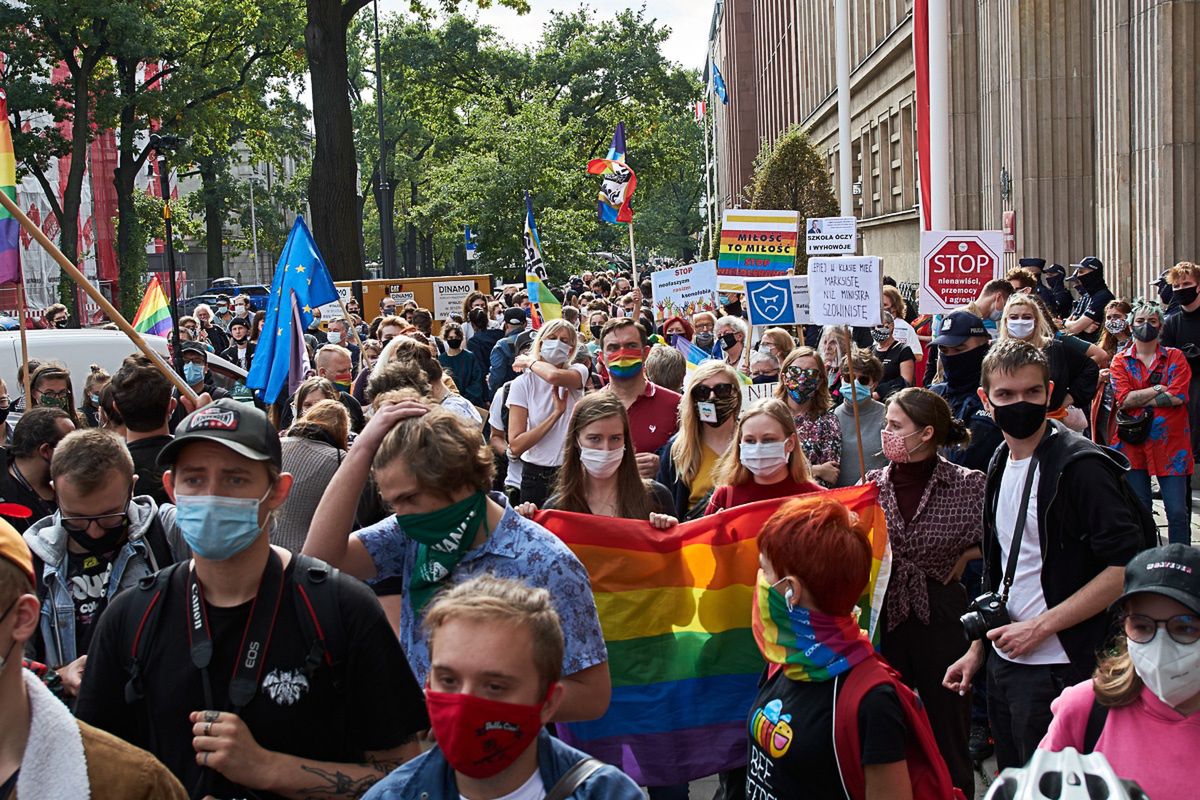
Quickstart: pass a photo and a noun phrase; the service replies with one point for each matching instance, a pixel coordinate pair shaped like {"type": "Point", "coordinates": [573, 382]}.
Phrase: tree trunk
{"type": "Point", "coordinates": [214, 217]}
{"type": "Point", "coordinates": [333, 192]}
{"type": "Point", "coordinates": [130, 252]}
{"type": "Point", "coordinates": [68, 239]}
{"type": "Point", "coordinates": [412, 255]}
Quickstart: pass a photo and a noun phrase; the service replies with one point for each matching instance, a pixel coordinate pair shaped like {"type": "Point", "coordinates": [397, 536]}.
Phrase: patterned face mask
{"type": "Point", "coordinates": [801, 384]}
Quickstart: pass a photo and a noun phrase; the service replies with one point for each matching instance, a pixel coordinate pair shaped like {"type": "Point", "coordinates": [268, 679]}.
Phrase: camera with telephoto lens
{"type": "Point", "coordinates": [986, 612]}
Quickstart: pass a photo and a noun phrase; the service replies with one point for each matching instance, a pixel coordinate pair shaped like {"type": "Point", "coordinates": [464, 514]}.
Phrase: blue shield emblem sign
{"type": "Point", "coordinates": [771, 302]}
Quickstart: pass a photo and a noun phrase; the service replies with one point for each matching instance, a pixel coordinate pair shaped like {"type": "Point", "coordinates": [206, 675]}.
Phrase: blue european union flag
{"type": "Point", "coordinates": [718, 85]}
{"type": "Point", "coordinates": [301, 284]}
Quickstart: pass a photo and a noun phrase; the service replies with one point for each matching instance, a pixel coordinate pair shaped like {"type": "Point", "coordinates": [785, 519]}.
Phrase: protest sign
{"type": "Point", "coordinates": [685, 290]}
{"type": "Point", "coordinates": [845, 290]}
{"type": "Point", "coordinates": [955, 266]}
{"type": "Point", "coordinates": [757, 391]}
{"type": "Point", "coordinates": [758, 244]}
{"type": "Point", "coordinates": [448, 297]}
{"type": "Point", "coordinates": [778, 301]}
{"type": "Point", "coordinates": [333, 310]}
{"type": "Point", "coordinates": [830, 236]}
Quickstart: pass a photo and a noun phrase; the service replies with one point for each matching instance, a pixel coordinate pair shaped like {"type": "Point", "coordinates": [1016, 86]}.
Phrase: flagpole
{"type": "Point", "coordinates": [100, 299]}
{"type": "Point", "coordinates": [862, 464]}
{"type": "Point", "coordinates": [633, 260]}
{"type": "Point", "coordinates": [21, 321]}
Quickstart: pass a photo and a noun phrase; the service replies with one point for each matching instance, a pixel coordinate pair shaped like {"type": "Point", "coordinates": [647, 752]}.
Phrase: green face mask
{"type": "Point", "coordinates": [444, 537]}
{"type": "Point", "coordinates": [46, 401]}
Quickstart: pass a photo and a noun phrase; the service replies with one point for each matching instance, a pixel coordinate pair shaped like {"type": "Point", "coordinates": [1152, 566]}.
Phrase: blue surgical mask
{"type": "Point", "coordinates": [193, 373]}
{"type": "Point", "coordinates": [860, 392]}
{"type": "Point", "coordinates": [215, 527]}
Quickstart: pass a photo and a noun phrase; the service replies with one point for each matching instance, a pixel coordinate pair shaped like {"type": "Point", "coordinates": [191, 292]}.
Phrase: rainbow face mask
{"type": "Point", "coordinates": [624, 364]}
{"type": "Point", "coordinates": [809, 645]}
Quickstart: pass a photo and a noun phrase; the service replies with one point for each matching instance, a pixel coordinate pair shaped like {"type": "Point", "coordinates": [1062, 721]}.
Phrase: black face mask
{"type": "Point", "coordinates": [60, 323]}
{"type": "Point", "coordinates": [704, 340]}
{"type": "Point", "coordinates": [4, 414]}
{"type": "Point", "coordinates": [596, 329]}
{"type": "Point", "coordinates": [1054, 280]}
{"type": "Point", "coordinates": [1146, 332]}
{"type": "Point", "coordinates": [1185, 296]}
{"type": "Point", "coordinates": [729, 341]}
{"type": "Point", "coordinates": [107, 543]}
{"type": "Point", "coordinates": [764, 378]}
{"type": "Point", "coordinates": [454, 343]}
{"type": "Point", "coordinates": [1019, 420]}
{"type": "Point", "coordinates": [962, 371]}
{"type": "Point", "coordinates": [1091, 282]}
{"type": "Point", "coordinates": [734, 309]}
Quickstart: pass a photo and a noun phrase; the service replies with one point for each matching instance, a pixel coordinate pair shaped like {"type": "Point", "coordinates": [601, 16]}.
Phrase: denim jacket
{"type": "Point", "coordinates": [430, 777]}
{"type": "Point", "coordinates": [47, 539]}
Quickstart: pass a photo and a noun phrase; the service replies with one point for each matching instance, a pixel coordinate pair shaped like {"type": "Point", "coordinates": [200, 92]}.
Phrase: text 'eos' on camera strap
{"type": "Point", "coordinates": [1014, 549]}
{"type": "Point", "coordinates": [252, 653]}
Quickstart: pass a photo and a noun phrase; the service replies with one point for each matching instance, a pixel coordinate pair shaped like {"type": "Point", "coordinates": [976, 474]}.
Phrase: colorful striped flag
{"type": "Point", "coordinates": [10, 230]}
{"type": "Point", "coordinates": [546, 305]}
{"type": "Point", "coordinates": [675, 607]}
{"type": "Point", "coordinates": [154, 314]}
{"type": "Point", "coordinates": [616, 190]}
{"type": "Point", "coordinates": [695, 357]}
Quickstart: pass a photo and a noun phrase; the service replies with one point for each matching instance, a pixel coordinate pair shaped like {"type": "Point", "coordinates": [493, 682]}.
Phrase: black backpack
{"type": "Point", "coordinates": [315, 597]}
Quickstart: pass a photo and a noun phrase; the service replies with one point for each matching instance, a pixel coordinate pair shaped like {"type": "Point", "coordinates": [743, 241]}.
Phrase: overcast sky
{"type": "Point", "coordinates": [687, 19]}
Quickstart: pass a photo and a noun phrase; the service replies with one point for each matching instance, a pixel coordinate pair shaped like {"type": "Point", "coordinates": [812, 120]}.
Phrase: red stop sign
{"type": "Point", "coordinates": [955, 271]}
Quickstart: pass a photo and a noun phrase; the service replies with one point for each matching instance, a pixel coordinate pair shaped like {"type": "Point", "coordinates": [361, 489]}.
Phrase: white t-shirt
{"type": "Point", "coordinates": [1026, 599]}
{"type": "Point", "coordinates": [515, 467]}
{"type": "Point", "coordinates": [904, 333]}
{"type": "Point", "coordinates": [532, 789]}
{"type": "Point", "coordinates": [537, 397]}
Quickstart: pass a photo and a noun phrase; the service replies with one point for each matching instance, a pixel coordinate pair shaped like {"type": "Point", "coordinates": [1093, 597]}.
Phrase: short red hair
{"type": "Point", "coordinates": [822, 543]}
{"type": "Point", "coordinates": [688, 330]}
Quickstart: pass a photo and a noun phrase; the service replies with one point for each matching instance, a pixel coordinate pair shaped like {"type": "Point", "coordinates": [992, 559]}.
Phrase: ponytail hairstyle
{"type": "Point", "coordinates": [929, 410]}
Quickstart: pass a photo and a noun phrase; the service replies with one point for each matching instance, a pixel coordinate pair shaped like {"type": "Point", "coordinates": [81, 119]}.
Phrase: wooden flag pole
{"type": "Point", "coordinates": [21, 321]}
{"type": "Point", "coordinates": [862, 464]}
{"type": "Point", "coordinates": [633, 261]}
{"type": "Point", "coordinates": [100, 299]}
{"type": "Point", "coordinates": [349, 323]}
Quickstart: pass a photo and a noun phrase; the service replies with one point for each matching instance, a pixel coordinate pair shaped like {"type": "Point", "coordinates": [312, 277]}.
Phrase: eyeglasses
{"type": "Point", "coordinates": [797, 373]}
{"type": "Point", "coordinates": [723, 391]}
{"type": "Point", "coordinates": [59, 395]}
{"type": "Point", "coordinates": [1183, 628]}
{"type": "Point", "coordinates": [108, 522]}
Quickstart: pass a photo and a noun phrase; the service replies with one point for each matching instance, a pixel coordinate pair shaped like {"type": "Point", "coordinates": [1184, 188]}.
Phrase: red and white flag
{"type": "Point", "coordinates": [701, 107]}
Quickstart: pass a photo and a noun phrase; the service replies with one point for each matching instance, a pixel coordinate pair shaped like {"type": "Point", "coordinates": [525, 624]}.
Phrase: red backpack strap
{"type": "Point", "coordinates": [847, 745]}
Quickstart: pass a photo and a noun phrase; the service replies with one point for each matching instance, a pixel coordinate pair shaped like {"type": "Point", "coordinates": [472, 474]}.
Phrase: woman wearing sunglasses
{"type": "Point", "coordinates": [707, 418]}
{"type": "Point", "coordinates": [804, 386]}
{"type": "Point", "coordinates": [1140, 707]}
{"type": "Point", "coordinates": [767, 461]}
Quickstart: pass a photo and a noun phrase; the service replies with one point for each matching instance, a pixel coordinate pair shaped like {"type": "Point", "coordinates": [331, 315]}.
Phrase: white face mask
{"type": "Point", "coordinates": [1170, 669]}
{"type": "Point", "coordinates": [1020, 328]}
{"type": "Point", "coordinates": [763, 458]}
{"type": "Point", "coordinates": [601, 463]}
{"type": "Point", "coordinates": [555, 352]}
{"type": "Point", "coordinates": [334, 337]}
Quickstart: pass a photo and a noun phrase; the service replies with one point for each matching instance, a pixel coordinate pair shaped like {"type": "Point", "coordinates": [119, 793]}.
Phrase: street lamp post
{"type": "Point", "coordinates": [163, 144]}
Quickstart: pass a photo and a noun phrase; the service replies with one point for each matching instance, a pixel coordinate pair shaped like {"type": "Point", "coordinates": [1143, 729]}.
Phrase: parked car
{"type": "Point", "coordinates": [78, 349]}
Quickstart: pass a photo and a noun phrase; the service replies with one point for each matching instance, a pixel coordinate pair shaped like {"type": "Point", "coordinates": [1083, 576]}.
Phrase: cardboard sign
{"type": "Point", "coordinates": [758, 244]}
{"type": "Point", "coordinates": [685, 290]}
{"type": "Point", "coordinates": [955, 266]}
{"type": "Point", "coordinates": [333, 310]}
{"type": "Point", "coordinates": [830, 236]}
{"type": "Point", "coordinates": [846, 290]}
{"type": "Point", "coordinates": [757, 391]}
{"type": "Point", "coordinates": [778, 301]}
{"type": "Point", "coordinates": [448, 297]}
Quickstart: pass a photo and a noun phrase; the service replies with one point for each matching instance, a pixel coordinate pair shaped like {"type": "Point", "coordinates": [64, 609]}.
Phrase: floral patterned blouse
{"type": "Point", "coordinates": [821, 437]}
{"type": "Point", "coordinates": [1168, 450]}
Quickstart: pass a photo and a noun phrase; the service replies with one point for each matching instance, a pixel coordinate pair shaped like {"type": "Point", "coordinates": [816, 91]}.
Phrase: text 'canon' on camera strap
{"type": "Point", "coordinates": [252, 653]}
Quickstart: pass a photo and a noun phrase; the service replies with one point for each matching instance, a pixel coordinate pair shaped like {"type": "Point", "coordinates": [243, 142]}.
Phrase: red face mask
{"type": "Point", "coordinates": [481, 737]}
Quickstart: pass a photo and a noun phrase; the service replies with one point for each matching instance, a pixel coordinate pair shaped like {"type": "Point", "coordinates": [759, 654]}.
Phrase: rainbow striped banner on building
{"type": "Point", "coordinates": [154, 314]}
{"type": "Point", "coordinates": [10, 229]}
{"type": "Point", "coordinates": [675, 607]}
{"type": "Point", "coordinates": [758, 244]}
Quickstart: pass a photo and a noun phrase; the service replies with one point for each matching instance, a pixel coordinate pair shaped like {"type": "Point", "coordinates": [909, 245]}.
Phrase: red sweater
{"type": "Point", "coordinates": [729, 496]}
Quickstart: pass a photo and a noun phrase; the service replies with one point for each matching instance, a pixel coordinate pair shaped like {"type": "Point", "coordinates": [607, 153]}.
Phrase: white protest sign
{"type": "Point", "coordinates": [846, 290]}
{"type": "Point", "coordinates": [778, 301]}
{"type": "Point", "coordinates": [333, 310]}
{"type": "Point", "coordinates": [448, 297]}
{"type": "Point", "coordinates": [830, 236]}
{"type": "Point", "coordinates": [685, 290]}
{"type": "Point", "coordinates": [757, 391]}
{"type": "Point", "coordinates": [955, 266]}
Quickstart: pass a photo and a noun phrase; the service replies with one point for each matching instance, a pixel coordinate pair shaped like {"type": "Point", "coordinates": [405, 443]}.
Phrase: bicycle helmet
{"type": "Point", "coordinates": [1065, 775]}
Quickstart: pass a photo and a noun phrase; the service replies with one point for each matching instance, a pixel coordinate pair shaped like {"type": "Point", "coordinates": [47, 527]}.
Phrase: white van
{"type": "Point", "coordinates": [78, 349]}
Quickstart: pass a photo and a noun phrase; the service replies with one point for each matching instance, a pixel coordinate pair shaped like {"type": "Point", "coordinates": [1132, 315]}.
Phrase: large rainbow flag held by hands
{"type": "Point", "coordinates": [675, 607]}
{"type": "Point", "coordinates": [154, 314]}
{"type": "Point", "coordinates": [10, 230]}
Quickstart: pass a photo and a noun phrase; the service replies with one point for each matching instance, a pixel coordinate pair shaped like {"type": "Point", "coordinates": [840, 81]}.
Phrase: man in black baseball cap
{"type": "Point", "coordinates": [500, 370]}
{"type": "Point", "coordinates": [1087, 315]}
{"type": "Point", "coordinates": [248, 670]}
{"type": "Point", "coordinates": [1060, 304]}
{"type": "Point", "coordinates": [195, 372]}
{"type": "Point", "coordinates": [1037, 266]}
{"type": "Point", "coordinates": [962, 342]}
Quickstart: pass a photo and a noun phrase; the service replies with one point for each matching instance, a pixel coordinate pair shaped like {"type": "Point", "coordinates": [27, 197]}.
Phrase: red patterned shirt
{"type": "Point", "coordinates": [1168, 449]}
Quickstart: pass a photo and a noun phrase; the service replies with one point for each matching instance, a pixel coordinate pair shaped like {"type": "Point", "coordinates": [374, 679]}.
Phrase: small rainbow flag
{"type": "Point", "coordinates": [675, 607]}
{"type": "Point", "coordinates": [544, 301]}
{"type": "Point", "coordinates": [154, 314]}
{"type": "Point", "coordinates": [695, 357]}
{"type": "Point", "coordinates": [619, 184]}
{"type": "Point", "coordinates": [10, 230]}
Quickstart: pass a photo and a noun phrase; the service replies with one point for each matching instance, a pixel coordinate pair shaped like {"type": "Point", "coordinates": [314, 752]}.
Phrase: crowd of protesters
{"type": "Point", "coordinates": [347, 593]}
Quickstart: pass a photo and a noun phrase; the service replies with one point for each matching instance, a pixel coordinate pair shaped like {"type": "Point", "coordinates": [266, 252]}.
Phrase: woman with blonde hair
{"type": "Point", "coordinates": [804, 387]}
{"type": "Point", "coordinates": [540, 403]}
{"type": "Point", "coordinates": [765, 462]}
{"type": "Point", "coordinates": [1073, 374]}
{"type": "Point", "coordinates": [707, 419]}
{"type": "Point", "coordinates": [1139, 708]}
{"type": "Point", "coordinates": [599, 473]}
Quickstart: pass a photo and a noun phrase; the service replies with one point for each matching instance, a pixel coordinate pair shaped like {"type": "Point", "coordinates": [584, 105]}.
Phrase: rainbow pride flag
{"type": "Point", "coordinates": [10, 230]}
{"type": "Point", "coordinates": [675, 607]}
{"type": "Point", "coordinates": [544, 301]}
{"type": "Point", "coordinates": [154, 314]}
